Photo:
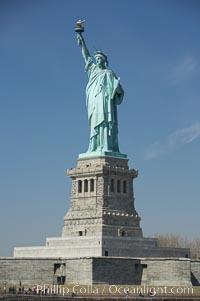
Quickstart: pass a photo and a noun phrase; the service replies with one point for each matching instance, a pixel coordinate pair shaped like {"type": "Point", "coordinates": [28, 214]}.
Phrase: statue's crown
{"type": "Point", "coordinates": [99, 52]}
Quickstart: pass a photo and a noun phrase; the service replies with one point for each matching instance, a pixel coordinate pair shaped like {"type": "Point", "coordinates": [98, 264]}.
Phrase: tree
{"type": "Point", "coordinates": [176, 240]}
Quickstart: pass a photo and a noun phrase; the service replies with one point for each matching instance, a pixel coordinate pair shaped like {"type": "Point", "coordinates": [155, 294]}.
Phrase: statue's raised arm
{"type": "Point", "coordinates": [84, 49]}
{"type": "Point", "coordinates": [103, 93]}
{"type": "Point", "coordinates": [81, 41]}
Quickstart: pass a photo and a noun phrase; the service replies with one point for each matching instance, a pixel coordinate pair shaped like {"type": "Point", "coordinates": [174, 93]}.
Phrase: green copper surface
{"type": "Point", "coordinates": [103, 94]}
{"type": "Point", "coordinates": [102, 154]}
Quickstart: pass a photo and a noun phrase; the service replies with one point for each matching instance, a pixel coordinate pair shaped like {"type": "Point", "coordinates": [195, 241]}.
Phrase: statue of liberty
{"type": "Point", "coordinates": [103, 94]}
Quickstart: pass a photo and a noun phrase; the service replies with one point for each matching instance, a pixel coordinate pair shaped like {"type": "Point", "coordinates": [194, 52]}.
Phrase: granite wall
{"type": "Point", "coordinates": [195, 272]}
{"type": "Point", "coordinates": [98, 270]}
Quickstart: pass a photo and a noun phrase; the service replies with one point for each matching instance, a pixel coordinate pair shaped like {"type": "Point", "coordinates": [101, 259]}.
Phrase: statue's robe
{"type": "Point", "coordinates": [103, 94]}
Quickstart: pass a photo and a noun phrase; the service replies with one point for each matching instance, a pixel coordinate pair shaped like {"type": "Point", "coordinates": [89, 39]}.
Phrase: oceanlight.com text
{"type": "Point", "coordinates": [144, 290]}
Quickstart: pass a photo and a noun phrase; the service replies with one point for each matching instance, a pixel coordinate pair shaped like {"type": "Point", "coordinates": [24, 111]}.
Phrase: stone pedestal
{"type": "Point", "coordinates": [102, 199]}
{"type": "Point", "coordinates": [102, 219]}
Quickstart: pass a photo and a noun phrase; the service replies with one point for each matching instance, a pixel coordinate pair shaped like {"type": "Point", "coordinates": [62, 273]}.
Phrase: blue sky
{"type": "Point", "coordinates": [154, 48]}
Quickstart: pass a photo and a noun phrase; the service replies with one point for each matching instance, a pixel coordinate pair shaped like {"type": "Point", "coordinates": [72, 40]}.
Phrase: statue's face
{"type": "Point", "coordinates": [100, 61]}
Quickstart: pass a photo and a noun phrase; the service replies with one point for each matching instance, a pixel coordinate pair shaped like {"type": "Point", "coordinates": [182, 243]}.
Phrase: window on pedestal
{"type": "Point", "coordinates": [80, 233]}
{"type": "Point", "coordinates": [124, 187]}
{"type": "Point", "coordinates": [112, 185]}
{"type": "Point", "coordinates": [79, 186]}
{"type": "Point", "coordinates": [118, 186]}
{"type": "Point", "coordinates": [92, 185]}
{"type": "Point", "coordinates": [85, 185]}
